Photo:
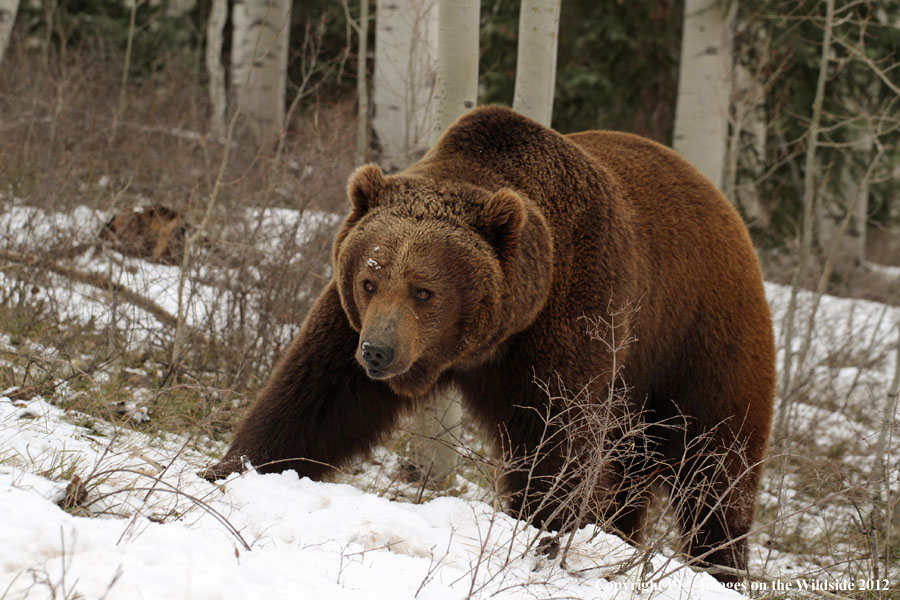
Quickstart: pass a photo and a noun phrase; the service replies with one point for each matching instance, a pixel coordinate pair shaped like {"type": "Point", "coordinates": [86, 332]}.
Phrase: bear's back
{"type": "Point", "coordinates": [680, 219]}
{"type": "Point", "coordinates": [700, 268]}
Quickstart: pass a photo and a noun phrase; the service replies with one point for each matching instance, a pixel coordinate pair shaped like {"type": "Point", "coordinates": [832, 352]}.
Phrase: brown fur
{"type": "Point", "coordinates": [155, 233]}
{"type": "Point", "coordinates": [515, 232]}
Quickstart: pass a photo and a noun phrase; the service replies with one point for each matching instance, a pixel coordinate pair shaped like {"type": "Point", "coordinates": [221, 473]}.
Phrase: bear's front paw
{"type": "Point", "coordinates": [223, 469]}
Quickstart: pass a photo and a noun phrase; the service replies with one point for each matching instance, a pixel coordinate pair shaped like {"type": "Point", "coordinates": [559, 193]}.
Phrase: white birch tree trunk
{"type": "Point", "coordinates": [861, 220]}
{"type": "Point", "coordinates": [438, 423]}
{"type": "Point", "coordinates": [536, 59]}
{"type": "Point", "coordinates": [854, 195]}
{"type": "Point", "coordinates": [259, 53]}
{"type": "Point", "coordinates": [856, 192]}
{"type": "Point", "coordinates": [180, 8]}
{"type": "Point", "coordinates": [362, 84]}
{"type": "Point", "coordinates": [8, 10]}
{"type": "Point", "coordinates": [747, 107]}
{"type": "Point", "coordinates": [704, 87]}
{"type": "Point", "coordinates": [435, 430]}
{"type": "Point", "coordinates": [217, 98]}
{"type": "Point", "coordinates": [457, 68]}
{"type": "Point", "coordinates": [405, 62]}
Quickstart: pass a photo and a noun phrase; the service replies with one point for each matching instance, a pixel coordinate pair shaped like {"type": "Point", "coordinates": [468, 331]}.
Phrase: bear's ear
{"type": "Point", "coordinates": [363, 188]}
{"type": "Point", "coordinates": [502, 219]}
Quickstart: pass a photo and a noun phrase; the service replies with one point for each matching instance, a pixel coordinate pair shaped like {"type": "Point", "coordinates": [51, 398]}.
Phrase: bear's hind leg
{"type": "Point", "coordinates": [714, 495]}
{"type": "Point", "coordinates": [720, 394]}
{"type": "Point", "coordinates": [714, 525]}
{"type": "Point", "coordinates": [627, 516]}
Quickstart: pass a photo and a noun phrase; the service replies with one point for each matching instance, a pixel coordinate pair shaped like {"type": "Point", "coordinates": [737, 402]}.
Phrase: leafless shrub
{"type": "Point", "coordinates": [611, 466]}
{"type": "Point", "coordinates": [830, 493]}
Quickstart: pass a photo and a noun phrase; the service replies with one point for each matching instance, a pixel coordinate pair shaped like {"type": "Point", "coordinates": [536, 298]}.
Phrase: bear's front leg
{"type": "Point", "coordinates": [318, 408]}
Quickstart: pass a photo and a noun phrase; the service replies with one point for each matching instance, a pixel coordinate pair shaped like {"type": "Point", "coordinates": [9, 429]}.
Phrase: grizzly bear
{"type": "Point", "coordinates": [477, 267]}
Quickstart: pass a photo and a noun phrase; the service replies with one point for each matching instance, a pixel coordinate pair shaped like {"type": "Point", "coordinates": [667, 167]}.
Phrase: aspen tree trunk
{"type": "Point", "coordinates": [405, 62]}
{"type": "Point", "coordinates": [895, 382]}
{"type": "Point", "coordinates": [217, 98]}
{"type": "Point", "coordinates": [747, 105]}
{"type": "Point", "coordinates": [861, 218]}
{"type": "Point", "coordinates": [536, 59]}
{"type": "Point", "coordinates": [854, 193]}
{"type": "Point", "coordinates": [435, 430]}
{"type": "Point", "coordinates": [180, 8]}
{"type": "Point", "coordinates": [457, 69]}
{"type": "Point", "coordinates": [437, 425]}
{"type": "Point", "coordinates": [8, 10]}
{"type": "Point", "coordinates": [259, 53]}
{"type": "Point", "coordinates": [362, 89]}
{"type": "Point", "coordinates": [704, 87]}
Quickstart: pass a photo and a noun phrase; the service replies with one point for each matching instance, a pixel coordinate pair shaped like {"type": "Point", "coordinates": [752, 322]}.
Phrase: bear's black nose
{"type": "Point", "coordinates": [376, 357]}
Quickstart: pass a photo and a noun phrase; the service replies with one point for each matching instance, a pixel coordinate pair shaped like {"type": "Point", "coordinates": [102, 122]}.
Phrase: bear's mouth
{"type": "Point", "coordinates": [387, 373]}
{"type": "Point", "coordinates": [383, 372]}
{"type": "Point", "coordinates": [412, 382]}
{"type": "Point", "coordinates": [378, 374]}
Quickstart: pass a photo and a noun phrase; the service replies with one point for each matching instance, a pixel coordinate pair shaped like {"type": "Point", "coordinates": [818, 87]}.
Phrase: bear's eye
{"type": "Point", "coordinates": [423, 294]}
{"type": "Point", "coordinates": [369, 287]}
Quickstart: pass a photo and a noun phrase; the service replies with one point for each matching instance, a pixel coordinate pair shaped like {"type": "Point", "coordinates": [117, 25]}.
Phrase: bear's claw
{"type": "Point", "coordinates": [221, 470]}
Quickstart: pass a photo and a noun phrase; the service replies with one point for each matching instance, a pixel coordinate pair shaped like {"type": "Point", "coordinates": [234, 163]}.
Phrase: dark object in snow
{"type": "Point", "coordinates": [130, 410]}
{"type": "Point", "coordinates": [477, 266]}
{"type": "Point", "coordinates": [156, 233]}
{"type": "Point", "coordinates": [18, 392]}
{"type": "Point", "coordinates": [75, 494]}
{"type": "Point", "coordinates": [548, 546]}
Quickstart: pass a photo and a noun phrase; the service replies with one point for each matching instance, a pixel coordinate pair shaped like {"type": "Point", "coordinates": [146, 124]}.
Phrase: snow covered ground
{"type": "Point", "coordinates": [275, 232]}
{"type": "Point", "coordinates": [165, 533]}
{"type": "Point", "coordinates": [156, 530]}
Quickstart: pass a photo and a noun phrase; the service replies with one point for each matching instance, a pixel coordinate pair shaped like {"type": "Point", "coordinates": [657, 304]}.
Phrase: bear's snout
{"type": "Point", "coordinates": [376, 358]}
{"type": "Point", "coordinates": [388, 339]}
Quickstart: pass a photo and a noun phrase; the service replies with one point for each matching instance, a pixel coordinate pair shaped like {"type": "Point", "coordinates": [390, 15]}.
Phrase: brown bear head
{"type": "Point", "coordinates": [427, 271]}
